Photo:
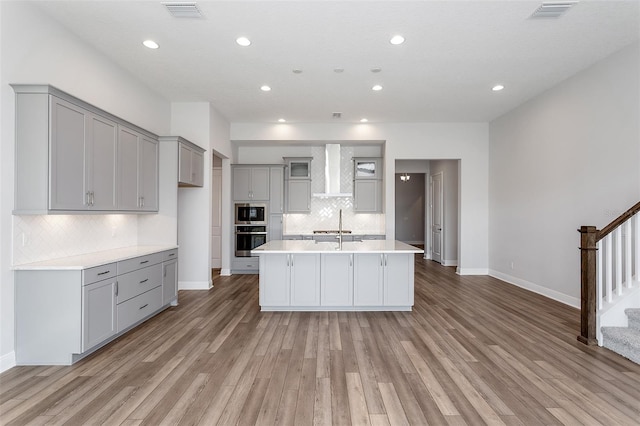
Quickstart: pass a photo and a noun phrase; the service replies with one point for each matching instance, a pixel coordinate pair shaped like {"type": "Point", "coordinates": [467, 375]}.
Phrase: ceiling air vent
{"type": "Point", "coordinates": [552, 9]}
{"type": "Point", "coordinates": [183, 9]}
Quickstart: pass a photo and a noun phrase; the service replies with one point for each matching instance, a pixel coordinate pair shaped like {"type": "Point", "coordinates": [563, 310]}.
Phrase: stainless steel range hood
{"type": "Point", "coordinates": [332, 168]}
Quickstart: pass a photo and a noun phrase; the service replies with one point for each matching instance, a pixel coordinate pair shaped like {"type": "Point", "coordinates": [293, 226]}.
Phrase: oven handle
{"type": "Point", "coordinates": [251, 233]}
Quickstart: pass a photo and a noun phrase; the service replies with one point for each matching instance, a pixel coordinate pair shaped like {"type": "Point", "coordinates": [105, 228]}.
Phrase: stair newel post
{"type": "Point", "coordinates": [588, 240]}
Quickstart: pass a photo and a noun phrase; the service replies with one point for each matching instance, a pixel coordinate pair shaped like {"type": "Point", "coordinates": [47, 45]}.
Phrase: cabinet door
{"type": "Point", "coordinates": [101, 159]}
{"type": "Point", "coordinates": [299, 196]}
{"type": "Point", "coordinates": [98, 312]}
{"type": "Point", "coordinates": [184, 169]}
{"type": "Point", "coordinates": [336, 275]}
{"type": "Point", "coordinates": [366, 168]}
{"type": "Point", "coordinates": [368, 194]}
{"type": "Point", "coordinates": [260, 183]}
{"type": "Point", "coordinates": [169, 282]}
{"type": "Point", "coordinates": [197, 168]}
{"type": "Point", "coordinates": [305, 282]}
{"type": "Point", "coordinates": [68, 186]}
{"type": "Point", "coordinates": [276, 190]}
{"type": "Point", "coordinates": [367, 279]}
{"type": "Point", "coordinates": [274, 280]}
{"type": "Point", "coordinates": [128, 198]}
{"type": "Point", "coordinates": [398, 279]}
{"type": "Point", "coordinates": [148, 174]}
{"type": "Point", "coordinates": [241, 183]}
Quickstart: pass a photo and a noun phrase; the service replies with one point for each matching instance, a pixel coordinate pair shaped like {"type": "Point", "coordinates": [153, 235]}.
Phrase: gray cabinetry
{"type": "Point", "coordinates": [63, 315]}
{"type": "Point", "coordinates": [291, 279]}
{"type": "Point", "coordinates": [367, 185]}
{"type": "Point", "coordinates": [276, 190]}
{"type": "Point", "coordinates": [299, 196]}
{"type": "Point", "coordinates": [367, 282]}
{"type": "Point", "coordinates": [250, 183]}
{"type": "Point", "coordinates": [138, 171]}
{"type": "Point", "coordinates": [383, 279]}
{"type": "Point", "coordinates": [191, 164]}
{"type": "Point", "coordinates": [69, 157]}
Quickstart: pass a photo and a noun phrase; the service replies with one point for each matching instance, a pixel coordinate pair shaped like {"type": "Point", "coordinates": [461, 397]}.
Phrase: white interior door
{"type": "Point", "coordinates": [436, 217]}
{"type": "Point", "coordinates": [216, 219]}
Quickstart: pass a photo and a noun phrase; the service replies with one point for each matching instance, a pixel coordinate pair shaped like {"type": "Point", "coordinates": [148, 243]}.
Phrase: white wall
{"type": "Point", "coordinates": [466, 141]}
{"type": "Point", "coordinates": [567, 158]}
{"type": "Point", "coordinates": [35, 49]}
{"type": "Point", "coordinates": [449, 170]}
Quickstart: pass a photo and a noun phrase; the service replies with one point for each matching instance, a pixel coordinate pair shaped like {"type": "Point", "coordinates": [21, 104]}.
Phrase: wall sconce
{"type": "Point", "coordinates": [405, 177]}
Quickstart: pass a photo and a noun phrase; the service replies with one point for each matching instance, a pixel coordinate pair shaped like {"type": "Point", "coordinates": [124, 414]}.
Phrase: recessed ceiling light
{"type": "Point", "coordinates": [376, 88]}
{"type": "Point", "coordinates": [150, 44]}
{"type": "Point", "coordinates": [376, 70]}
{"type": "Point", "coordinates": [265, 88]}
{"type": "Point", "coordinates": [338, 70]}
{"type": "Point", "coordinates": [281, 120]}
{"type": "Point", "coordinates": [297, 71]}
{"type": "Point", "coordinates": [497, 87]}
{"type": "Point", "coordinates": [243, 41]}
{"type": "Point", "coordinates": [363, 120]}
{"type": "Point", "coordinates": [397, 39]}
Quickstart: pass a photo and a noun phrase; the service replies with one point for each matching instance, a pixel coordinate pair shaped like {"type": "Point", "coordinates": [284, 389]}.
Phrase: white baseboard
{"type": "Point", "coordinates": [472, 271]}
{"type": "Point", "coordinates": [225, 272]}
{"type": "Point", "coordinates": [194, 285]}
{"type": "Point", "coordinates": [536, 288]}
{"type": "Point", "coordinates": [449, 263]}
{"type": "Point", "coordinates": [7, 361]}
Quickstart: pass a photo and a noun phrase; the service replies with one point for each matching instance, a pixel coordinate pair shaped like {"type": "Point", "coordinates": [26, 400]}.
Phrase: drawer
{"type": "Point", "coordinates": [129, 265]}
{"type": "Point", "coordinates": [137, 282]}
{"type": "Point", "coordinates": [136, 309]}
{"type": "Point", "coordinates": [249, 263]}
{"type": "Point", "coordinates": [99, 273]}
{"type": "Point", "coordinates": [169, 255]}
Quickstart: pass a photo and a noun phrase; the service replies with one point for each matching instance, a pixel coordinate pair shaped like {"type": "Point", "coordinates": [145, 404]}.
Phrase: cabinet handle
{"type": "Point", "coordinates": [143, 306]}
{"type": "Point", "coordinates": [165, 271]}
{"type": "Point", "coordinates": [144, 281]}
{"type": "Point", "coordinates": [385, 260]}
{"type": "Point", "coordinates": [88, 198]}
{"type": "Point", "coordinates": [102, 273]}
{"type": "Point", "coordinates": [381, 256]}
{"type": "Point", "coordinates": [144, 261]}
{"type": "Point", "coordinates": [142, 201]}
{"type": "Point", "coordinates": [93, 198]}
{"type": "Point", "coordinates": [172, 254]}
{"type": "Point", "coordinates": [117, 288]}
{"type": "Point", "coordinates": [292, 261]}
{"type": "Point", "coordinates": [288, 259]}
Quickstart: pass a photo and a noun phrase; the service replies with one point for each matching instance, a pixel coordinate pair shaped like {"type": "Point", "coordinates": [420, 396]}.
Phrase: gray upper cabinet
{"type": "Point", "coordinates": [191, 164]}
{"type": "Point", "coordinates": [276, 190]}
{"type": "Point", "coordinates": [367, 185]}
{"type": "Point", "coordinates": [250, 183]}
{"type": "Point", "coordinates": [299, 196]}
{"type": "Point", "coordinates": [71, 157]}
{"type": "Point", "coordinates": [137, 171]}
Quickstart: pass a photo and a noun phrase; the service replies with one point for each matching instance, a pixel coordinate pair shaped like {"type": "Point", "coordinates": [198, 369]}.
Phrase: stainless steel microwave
{"type": "Point", "coordinates": [251, 214]}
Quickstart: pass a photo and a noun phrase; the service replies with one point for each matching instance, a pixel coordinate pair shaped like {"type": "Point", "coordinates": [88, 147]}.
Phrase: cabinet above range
{"type": "Point", "coordinates": [72, 157]}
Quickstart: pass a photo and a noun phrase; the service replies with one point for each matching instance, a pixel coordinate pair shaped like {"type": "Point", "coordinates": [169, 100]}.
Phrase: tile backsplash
{"type": "Point", "coordinates": [325, 210]}
{"type": "Point", "coordinates": [37, 238]}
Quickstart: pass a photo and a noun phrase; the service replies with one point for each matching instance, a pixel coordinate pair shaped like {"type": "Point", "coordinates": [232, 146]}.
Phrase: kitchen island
{"type": "Point", "coordinates": [304, 275]}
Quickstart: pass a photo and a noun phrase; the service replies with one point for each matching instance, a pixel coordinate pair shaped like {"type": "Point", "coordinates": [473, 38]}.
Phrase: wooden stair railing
{"type": "Point", "coordinates": [588, 274]}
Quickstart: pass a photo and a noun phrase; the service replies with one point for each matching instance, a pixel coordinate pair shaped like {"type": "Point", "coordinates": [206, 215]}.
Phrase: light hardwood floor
{"type": "Point", "coordinates": [473, 351]}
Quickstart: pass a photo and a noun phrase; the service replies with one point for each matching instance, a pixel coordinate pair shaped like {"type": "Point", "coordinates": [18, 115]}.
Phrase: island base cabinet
{"type": "Point", "coordinates": [398, 279]}
{"type": "Point", "coordinates": [336, 279]}
{"type": "Point", "coordinates": [98, 312]}
{"type": "Point", "coordinates": [305, 279]}
{"type": "Point", "coordinates": [274, 280]}
{"type": "Point", "coordinates": [367, 279]}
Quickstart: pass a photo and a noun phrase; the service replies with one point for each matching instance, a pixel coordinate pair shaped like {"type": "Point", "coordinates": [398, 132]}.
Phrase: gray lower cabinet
{"type": "Point", "coordinates": [64, 315]}
{"type": "Point", "coordinates": [291, 279]}
{"type": "Point", "coordinates": [383, 279]}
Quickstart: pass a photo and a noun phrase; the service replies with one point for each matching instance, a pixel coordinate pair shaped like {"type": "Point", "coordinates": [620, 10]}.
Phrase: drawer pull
{"type": "Point", "coordinates": [143, 306]}
{"type": "Point", "coordinates": [172, 254]}
{"type": "Point", "coordinates": [144, 281]}
{"type": "Point", "coordinates": [144, 261]}
{"type": "Point", "coordinates": [102, 273]}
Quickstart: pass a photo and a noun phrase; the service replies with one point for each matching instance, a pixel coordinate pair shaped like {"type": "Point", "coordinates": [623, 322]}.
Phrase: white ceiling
{"type": "Point", "coordinates": [454, 52]}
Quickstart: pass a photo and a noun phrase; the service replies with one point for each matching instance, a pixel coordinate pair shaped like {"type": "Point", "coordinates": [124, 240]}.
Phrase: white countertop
{"type": "Point", "coordinates": [90, 260]}
{"type": "Point", "coordinates": [309, 246]}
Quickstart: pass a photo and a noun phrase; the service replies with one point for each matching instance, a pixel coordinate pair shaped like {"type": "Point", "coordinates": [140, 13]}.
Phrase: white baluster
{"type": "Point", "coordinates": [608, 269]}
{"type": "Point", "coordinates": [627, 253]}
{"type": "Point", "coordinates": [618, 233]}
{"type": "Point", "coordinates": [599, 288]}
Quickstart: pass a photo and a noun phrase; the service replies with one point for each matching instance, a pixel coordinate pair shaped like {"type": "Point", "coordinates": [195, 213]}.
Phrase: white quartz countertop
{"type": "Point", "coordinates": [309, 246]}
{"type": "Point", "coordinates": [90, 260]}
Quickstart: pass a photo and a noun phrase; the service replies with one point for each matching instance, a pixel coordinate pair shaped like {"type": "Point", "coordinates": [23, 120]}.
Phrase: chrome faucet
{"type": "Point", "coordinates": [340, 231]}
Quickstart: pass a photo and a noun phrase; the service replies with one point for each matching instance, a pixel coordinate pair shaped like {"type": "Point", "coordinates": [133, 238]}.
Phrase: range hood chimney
{"type": "Point", "coordinates": [332, 172]}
